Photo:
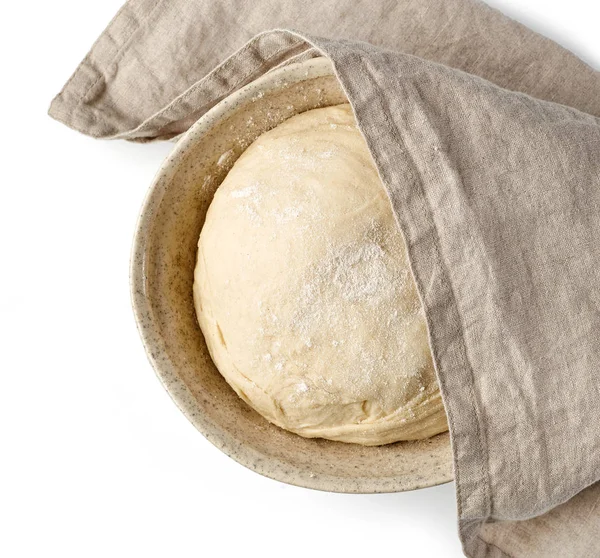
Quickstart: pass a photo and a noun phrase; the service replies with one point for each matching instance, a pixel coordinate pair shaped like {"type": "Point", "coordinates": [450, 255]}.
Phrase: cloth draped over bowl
{"type": "Point", "coordinates": [487, 138]}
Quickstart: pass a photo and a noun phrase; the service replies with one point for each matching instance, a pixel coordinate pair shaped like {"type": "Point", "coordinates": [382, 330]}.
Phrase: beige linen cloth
{"type": "Point", "coordinates": [487, 137]}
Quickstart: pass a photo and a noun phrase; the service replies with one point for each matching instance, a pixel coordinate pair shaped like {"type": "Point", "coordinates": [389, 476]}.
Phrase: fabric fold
{"type": "Point", "coordinates": [496, 189]}
{"type": "Point", "coordinates": [154, 51]}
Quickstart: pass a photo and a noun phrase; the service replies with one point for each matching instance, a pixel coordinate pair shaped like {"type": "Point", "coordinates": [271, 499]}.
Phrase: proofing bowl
{"type": "Point", "coordinates": [162, 272]}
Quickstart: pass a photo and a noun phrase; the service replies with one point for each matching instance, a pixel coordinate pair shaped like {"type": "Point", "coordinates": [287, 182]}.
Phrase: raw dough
{"type": "Point", "coordinates": [304, 294]}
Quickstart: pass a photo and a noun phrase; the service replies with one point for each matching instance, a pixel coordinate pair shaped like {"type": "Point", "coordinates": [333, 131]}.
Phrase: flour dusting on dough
{"type": "Point", "coordinates": [324, 330]}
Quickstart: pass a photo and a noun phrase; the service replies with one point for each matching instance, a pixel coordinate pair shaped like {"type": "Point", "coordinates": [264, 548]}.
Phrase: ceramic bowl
{"type": "Point", "coordinates": [163, 259]}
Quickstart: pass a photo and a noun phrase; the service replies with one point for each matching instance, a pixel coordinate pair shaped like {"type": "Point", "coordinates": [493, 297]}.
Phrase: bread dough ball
{"type": "Point", "coordinates": [304, 293]}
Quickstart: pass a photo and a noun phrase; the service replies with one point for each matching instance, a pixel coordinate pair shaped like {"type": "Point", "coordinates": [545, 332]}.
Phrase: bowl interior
{"type": "Point", "coordinates": [162, 275]}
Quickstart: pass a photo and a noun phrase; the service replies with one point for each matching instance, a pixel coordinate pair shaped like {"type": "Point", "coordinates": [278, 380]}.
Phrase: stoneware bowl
{"type": "Point", "coordinates": [163, 259]}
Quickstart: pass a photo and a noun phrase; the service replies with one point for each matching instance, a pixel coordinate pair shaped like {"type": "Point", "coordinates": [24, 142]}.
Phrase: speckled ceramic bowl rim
{"type": "Point", "coordinates": [151, 338]}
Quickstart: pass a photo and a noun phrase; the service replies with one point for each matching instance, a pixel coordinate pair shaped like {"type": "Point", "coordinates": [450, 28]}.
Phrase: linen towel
{"type": "Point", "coordinates": [487, 138]}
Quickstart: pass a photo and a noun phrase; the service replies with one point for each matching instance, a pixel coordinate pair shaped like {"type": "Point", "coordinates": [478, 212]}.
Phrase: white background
{"type": "Point", "coordinates": [95, 459]}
